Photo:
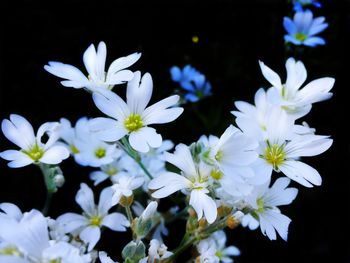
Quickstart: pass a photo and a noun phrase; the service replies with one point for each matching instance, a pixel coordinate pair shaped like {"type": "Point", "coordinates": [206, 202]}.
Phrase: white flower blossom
{"type": "Point", "coordinates": [94, 216]}
{"type": "Point", "coordinates": [289, 96]}
{"type": "Point", "coordinates": [282, 150]}
{"type": "Point", "coordinates": [125, 186]}
{"type": "Point", "coordinates": [97, 80]}
{"type": "Point", "coordinates": [132, 118]}
{"type": "Point", "coordinates": [19, 131]}
{"type": "Point", "coordinates": [30, 243]}
{"type": "Point", "coordinates": [194, 179]}
{"type": "Point", "coordinates": [265, 202]}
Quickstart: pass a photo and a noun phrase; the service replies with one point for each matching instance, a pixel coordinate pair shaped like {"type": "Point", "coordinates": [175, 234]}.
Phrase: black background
{"type": "Point", "coordinates": [233, 35]}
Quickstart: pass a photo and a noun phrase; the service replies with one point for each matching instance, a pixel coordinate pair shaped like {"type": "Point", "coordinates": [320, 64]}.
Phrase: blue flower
{"type": "Point", "coordinates": [303, 28]}
{"type": "Point", "coordinates": [300, 4]}
{"type": "Point", "coordinates": [192, 82]}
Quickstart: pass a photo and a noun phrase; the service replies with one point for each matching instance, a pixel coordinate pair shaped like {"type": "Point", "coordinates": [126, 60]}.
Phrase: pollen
{"type": "Point", "coordinates": [261, 205]}
{"type": "Point", "coordinates": [216, 174]}
{"type": "Point", "coordinates": [219, 155]}
{"type": "Point", "coordinates": [111, 171]}
{"type": "Point", "coordinates": [100, 153]}
{"type": "Point", "coordinates": [195, 39]}
{"type": "Point", "coordinates": [95, 221]}
{"type": "Point", "coordinates": [35, 153]}
{"type": "Point", "coordinates": [133, 122]}
{"type": "Point", "coordinates": [274, 155]}
{"type": "Point", "coordinates": [9, 251]}
{"type": "Point", "coordinates": [300, 36]}
{"type": "Point", "coordinates": [74, 149]}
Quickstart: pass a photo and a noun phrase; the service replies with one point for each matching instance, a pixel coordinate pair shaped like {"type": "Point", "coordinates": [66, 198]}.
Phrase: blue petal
{"type": "Point", "coordinates": [186, 85]}
{"type": "Point", "coordinates": [291, 39]}
{"type": "Point", "coordinates": [175, 73]}
{"type": "Point", "coordinates": [199, 81]}
{"type": "Point", "coordinates": [191, 97]}
{"type": "Point", "coordinates": [317, 28]}
{"type": "Point", "coordinates": [289, 26]}
{"type": "Point", "coordinates": [314, 41]}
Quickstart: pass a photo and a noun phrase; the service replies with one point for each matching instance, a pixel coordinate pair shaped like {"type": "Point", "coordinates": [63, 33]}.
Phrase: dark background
{"type": "Point", "coordinates": [233, 35]}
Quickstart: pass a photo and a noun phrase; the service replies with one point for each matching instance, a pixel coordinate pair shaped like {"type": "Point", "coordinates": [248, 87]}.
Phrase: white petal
{"type": "Point", "coordinates": [120, 77]}
{"type": "Point", "coordinates": [19, 131]}
{"type": "Point", "coordinates": [90, 235]}
{"type": "Point", "coordinates": [317, 90]}
{"type": "Point", "coordinates": [98, 177]}
{"type": "Point", "coordinates": [71, 221]}
{"type": "Point", "coordinates": [139, 94]}
{"type": "Point", "coordinates": [270, 75]}
{"type": "Point", "coordinates": [145, 138]}
{"type": "Point", "coordinates": [112, 105]}
{"type": "Point", "coordinates": [116, 222]}
{"type": "Point", "coordinates": [101, 60]}
{"type": "Point", "coordinates": [301, 173]}
{"type": "Point", "coordinates": [107, 129]}
{"type": "Point", "coordinates": [104, 258]}
{"type": "Point", "coordinates": [11, 210]}
{"type": "Point", "coordinates": [55, 155]}
{"type": "Point", "coordinates": [202, 203]}
{"type": "Point", "coordinates": [296, 75]}
{"type": "Point", "coordinates": [76, 78]}
{"type": "Point", "coordinates": [89, 59]}
{"type": "Point", "coordinates": [168, 183]}
{"type": "Point", "coordinates": [182, 158]}
{"type": "Point", "coordinates": [122, 63]}
{"type": "Point", "coordinates": [105, 202]}
{"type": "Point", "coordinates": [18, 158]}
{"type": "Point", "coordinates": [279, 194]}
{"type": "Point", "coordinates": [85, 198]}
{"type": "Point", "coordinates": [159, 112]}
{"type": "Point", "coordinates": [276, 221]}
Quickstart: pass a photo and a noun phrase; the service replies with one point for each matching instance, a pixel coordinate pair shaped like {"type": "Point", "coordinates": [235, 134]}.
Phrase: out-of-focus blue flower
{"type": "Point", "coordinates": [300, 4]}
{"type": "Point", "coordinates": [191, 81]}
{"type": "Point", "coordinates": [303, 28]}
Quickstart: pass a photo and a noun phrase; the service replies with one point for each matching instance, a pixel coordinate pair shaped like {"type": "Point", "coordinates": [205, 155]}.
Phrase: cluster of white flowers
{"type": "Point", "coordinates": [225, 180]}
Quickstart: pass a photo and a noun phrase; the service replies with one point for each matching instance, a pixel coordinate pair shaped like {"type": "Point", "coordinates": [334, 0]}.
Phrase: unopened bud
{"type": "Point", "coordinates": [133, 252]}
{"type": "Point", "coordinates": [149, 210]}
{"type": "Point", "coordinates": [59, 180]}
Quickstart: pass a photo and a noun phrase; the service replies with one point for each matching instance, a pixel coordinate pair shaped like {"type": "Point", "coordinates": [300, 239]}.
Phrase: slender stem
{"type": "Point", "coordinates": [50, 186]}
{"type": "Point", "coordinates": [129, 214]}
{"type": "Point", "coordinates": [181, 249]}
{"type": "Point", "coordinates": [47, 204]}
{"type": "Point", "coordinates": [135, 155]}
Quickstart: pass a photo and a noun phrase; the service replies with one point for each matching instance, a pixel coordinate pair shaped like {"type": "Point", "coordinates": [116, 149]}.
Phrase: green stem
{"type": "Point", "coordinates": [181, 249]}
{"type": "Point", "coordinates": [129, 214]}
{"type": "Point", "coordinates": [135, 155]}
{"type": "Point", "coordinates": [48, 174]}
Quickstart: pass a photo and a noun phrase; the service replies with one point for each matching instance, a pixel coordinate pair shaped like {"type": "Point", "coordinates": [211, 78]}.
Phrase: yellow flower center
{"type": "Point", "coordinates": [219, 155]}
{"type": "Point", "coordinates": [216, 174]}
{"type": "Point", "coordinates": [95, 221]}
{"type": "Point", "coordinates": [133, 122]}
{"type": "Point", "coordinates": [274, 155]}
{"type": "Point", "coordinates": [261, 205]}
{"type": "Point", "coordinates": [300, 36]}
{"type": "Point", "coordinates": [111, 171]}
{"type": "Point", "coordinates": [9, 251]}
{"type": "Point", "coordinates": [100, 153]}
{"type": "Point", "coordinates": [35, 153]}
{"type": "Point", "coordinates": [74, 149]}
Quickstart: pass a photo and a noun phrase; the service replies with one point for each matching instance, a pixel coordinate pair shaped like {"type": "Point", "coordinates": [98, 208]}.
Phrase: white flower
{"type": "Point", "coordinates": [231, 156]}
{"type": "Point", "coordinates": [222, 252]}
{"type": "Point", "coordinates": [132, 118]}
{"type": "Point", "coordinates": [87, 149]}
{"type": "Point", "coordinates": [31, 244]}
{"type": "Point", "coordinates": [97, 79]}
{"type": "Point", "coordinates": [19, 131]}
{"type": "Point", "coordinates": [104, 258]}
{"type": "Point", "coordinates": [207, 251]}
{"type": "Point", "coordinates": [194, 179]}
{"type": "Point", "coordinates": [125, 186]}
{"type": "Point", "coordinates": [289, 95]}
{"type": "Point", "coordinates": [282, 150]}
{"type": "Point", "coordinates": [114, 171]}
{"type": "Point", "coordinates": [252, 119]}
{"type": "Point", "coordinates": [94, 216]}
{"type": "Point", "coordinates": [157, 251]}
{"type": "Point", "coordinates": [264, 201]}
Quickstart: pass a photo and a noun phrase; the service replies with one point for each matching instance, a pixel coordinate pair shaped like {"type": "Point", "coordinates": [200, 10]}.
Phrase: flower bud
{"type": "Point", "coordinates": [133, 252]}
